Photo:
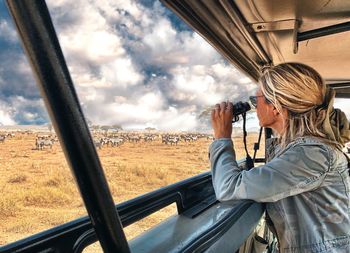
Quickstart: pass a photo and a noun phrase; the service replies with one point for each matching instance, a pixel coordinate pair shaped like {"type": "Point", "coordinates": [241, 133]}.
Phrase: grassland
{"type": "Point", "coordinates": [38, 191]}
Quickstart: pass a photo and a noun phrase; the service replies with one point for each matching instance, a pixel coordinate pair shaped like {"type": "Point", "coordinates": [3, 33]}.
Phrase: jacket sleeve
{"type": "Point", "coordinates": [300, 168]}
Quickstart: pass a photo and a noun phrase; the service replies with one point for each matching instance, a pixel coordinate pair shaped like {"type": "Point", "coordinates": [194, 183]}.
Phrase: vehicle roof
{"type": "Point", "coordinates": [251, 34]}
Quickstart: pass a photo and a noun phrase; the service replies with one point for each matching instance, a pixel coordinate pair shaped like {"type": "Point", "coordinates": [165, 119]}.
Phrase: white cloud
{"type": "Point", "coordinates": [121, 72]}
{"type": "Point", "coordinates": [344, 105]}
{"type": "Point", "coordinates": [97, 46]}
{"type": "Point", "coordinates": [92, 46]}
{"type": "Point", "coordinates": [168, 47]}
{"type": "Point", "coordinates": [207, 85]}
{"type": "Point", "coordinates": [152, 101]}
{"type": "Point", "coordinates": [7, 32]}
{"type": "Point", "coordinates": [17, 106]}
{"type": "Point", "coordinates": [174, 120]}
{"type": "Point", "coordinates": [5, 116]}
{"type": "Point", "coordinates": [147, 108]}
{"type": "Point", "coordinates": [86, 79]}
{"type": "Point", "coordinates": [200, 51]}
{"type": "Point", "coordinates": [132, 66]}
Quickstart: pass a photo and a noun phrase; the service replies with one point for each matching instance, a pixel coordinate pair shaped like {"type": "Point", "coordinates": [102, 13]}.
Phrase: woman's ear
{"type": "Point", "coordinates": [275, 112]}
{"type": "Point", "coordinates": [284, 113]}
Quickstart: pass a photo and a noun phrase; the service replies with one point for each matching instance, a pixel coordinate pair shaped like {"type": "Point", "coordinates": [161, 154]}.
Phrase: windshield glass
{"type": "Point", "coordinates": [146, 83]}
{"type": "Point", "coordinates": [344, 105]}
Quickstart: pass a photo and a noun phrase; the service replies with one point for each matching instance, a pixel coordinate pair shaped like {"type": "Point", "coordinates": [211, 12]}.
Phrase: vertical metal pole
{"type": "Point", "coordinates": [41, 45]}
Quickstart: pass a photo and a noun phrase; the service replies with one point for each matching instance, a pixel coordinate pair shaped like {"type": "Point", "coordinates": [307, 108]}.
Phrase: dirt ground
{"type": "Point", "coordinates": [38, 191]}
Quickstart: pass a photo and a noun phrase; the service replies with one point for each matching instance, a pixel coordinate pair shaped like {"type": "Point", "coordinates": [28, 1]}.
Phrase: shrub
{"type": "Point", "coordinates": [17, 179]}
{"type": "Point", "coordinates": [8, 208]}
{"type": "Point", "coordinates": [47, 197]}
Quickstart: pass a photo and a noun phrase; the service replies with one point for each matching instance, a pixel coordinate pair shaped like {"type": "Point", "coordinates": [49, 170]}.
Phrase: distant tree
{"type": "Point", "coordinates": [150, 128]}
{"type": "Point", "coordinates": [117, 127]}
{"type": "Point", "coordinates": [49, 126]}
{"type": "Point", "coordinates": [95, 127]}
{"type": "Point", "coordinates": [89, 122]}
{"type": "Point", "coordinates": [105, 128]}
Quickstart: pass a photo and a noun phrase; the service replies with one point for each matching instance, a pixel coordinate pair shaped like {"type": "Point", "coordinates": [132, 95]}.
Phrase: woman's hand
{"type": "Point", "coordinates": [221, 120]}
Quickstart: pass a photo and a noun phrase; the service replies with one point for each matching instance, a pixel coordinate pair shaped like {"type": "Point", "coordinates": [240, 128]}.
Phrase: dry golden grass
{"type": "Point", "coordinates": [38, 191]}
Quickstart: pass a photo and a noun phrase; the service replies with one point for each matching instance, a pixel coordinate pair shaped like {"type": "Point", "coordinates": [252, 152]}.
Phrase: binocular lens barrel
{"type": "Point", "coordinates": [240, 107]}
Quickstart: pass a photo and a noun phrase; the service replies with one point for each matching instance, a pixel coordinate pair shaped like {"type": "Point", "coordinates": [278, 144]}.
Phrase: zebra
{"type": "Point", "coordinates": [134, 138]}
{"type": "Point", "coordinates": [2, 138]}
{"type": "Point", "coordinates": [171, 140]}
{"type": "Point", "coordinates": [99, 144]}
{"type": "Point", "coordinates": [40, 144]}
{"type": "Point", "coordinates": [116, 141]}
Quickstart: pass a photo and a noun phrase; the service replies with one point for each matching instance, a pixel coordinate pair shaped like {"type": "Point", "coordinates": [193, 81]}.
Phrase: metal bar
{"type": "Point", "coordinates": [72, 235]}
{"type": "Point", "coordinates": [341, 88]}
{"type": "Point", "coordinates": [274, 26]}
{"type": "Point", "coordinates": [342, 95]}
{"type": "Point", "coordinates": [339, 85]}
{"type": "Point", "coordinates": [260, 160]}
{"type": "Point", "coordinates": [41, 45]}
{"type": "Point", "coordinates": [324, 31]}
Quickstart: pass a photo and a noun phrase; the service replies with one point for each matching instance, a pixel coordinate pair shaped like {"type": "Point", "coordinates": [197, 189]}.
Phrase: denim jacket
{"type": "Point", "coordinates": [305, 188]}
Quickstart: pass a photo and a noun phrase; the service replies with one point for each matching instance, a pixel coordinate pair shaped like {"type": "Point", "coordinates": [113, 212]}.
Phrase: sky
{"type": "Point", "coordinates": [133, 63]}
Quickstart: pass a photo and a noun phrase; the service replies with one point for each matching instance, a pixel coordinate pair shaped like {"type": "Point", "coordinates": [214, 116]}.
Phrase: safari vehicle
{"type": "Point", "coordinates": [249, 34]}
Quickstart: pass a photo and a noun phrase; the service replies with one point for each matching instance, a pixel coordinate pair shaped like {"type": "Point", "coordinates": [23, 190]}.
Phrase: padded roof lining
{"type": "Point", "coordinates": [330, 55]}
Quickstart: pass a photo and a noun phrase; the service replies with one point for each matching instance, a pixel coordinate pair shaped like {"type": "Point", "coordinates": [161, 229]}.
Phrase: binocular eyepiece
{"type": "Point", "coordinates": [240, 108]}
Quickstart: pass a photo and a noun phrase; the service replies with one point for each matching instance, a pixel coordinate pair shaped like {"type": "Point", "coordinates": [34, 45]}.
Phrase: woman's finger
{"type": "Point", "coordinates": [216, 111]}
{"type": "Point", "coordinates": [223, 106]}
{"type": "Point", "coordinates": [212, 114]}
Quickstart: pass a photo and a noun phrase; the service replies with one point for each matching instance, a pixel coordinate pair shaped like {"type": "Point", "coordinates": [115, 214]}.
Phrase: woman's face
{"type": "Point", "coordinates": [265, 111]}
{"type": "Point", "coordinates": [268, 115]}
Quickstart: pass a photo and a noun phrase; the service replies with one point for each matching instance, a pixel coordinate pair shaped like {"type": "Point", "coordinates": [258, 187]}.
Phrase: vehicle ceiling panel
{"type": "Point", "coordinates": [329, 54]}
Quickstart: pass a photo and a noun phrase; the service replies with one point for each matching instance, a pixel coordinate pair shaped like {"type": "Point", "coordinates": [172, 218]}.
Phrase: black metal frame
{"type": "Point", "coordinates": [341, 87]}
{"type": "Point", "coordinates": [324, 31]}
{"type": "Point", "coordinates": [192, 196]}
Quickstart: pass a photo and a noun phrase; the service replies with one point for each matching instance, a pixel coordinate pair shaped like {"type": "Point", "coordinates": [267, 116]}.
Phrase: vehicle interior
{"type": "Point", "coordinates": [250, 34]}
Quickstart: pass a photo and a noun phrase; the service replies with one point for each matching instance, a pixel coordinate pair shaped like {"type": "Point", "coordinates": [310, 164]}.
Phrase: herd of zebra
{"type": "Point", "coordinates": [47, 141]}
{"type": "Point", "coordinates": [5, 136]}
{"type": "Point", "coordinates": [41, 141]}
{"type": "Point", "coordinates": [169, 139]}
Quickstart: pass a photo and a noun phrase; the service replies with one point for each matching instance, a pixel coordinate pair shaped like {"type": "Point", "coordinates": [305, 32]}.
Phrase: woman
{"type": "Point", "coordinates": [306, 185]}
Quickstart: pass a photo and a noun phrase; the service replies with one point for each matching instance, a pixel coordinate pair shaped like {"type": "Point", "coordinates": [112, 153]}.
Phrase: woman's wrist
{"type": "Point", "coordinates": [222, 136]}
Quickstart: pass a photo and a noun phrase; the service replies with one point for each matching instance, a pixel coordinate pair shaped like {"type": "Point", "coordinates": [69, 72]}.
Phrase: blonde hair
{"type": "Point", "coordinates": [301, 90]}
